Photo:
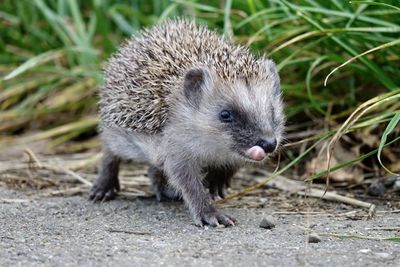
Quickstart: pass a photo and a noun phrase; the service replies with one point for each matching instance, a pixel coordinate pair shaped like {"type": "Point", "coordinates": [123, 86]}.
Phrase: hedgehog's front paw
{"type": "Point", "coordinates": [214, 218]}
{"type": "Point", "coordinates": [103, 191]}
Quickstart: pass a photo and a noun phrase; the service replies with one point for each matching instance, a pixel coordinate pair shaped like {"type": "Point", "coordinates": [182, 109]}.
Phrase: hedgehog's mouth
{"type": "Point", "coordinates": [255, 153]}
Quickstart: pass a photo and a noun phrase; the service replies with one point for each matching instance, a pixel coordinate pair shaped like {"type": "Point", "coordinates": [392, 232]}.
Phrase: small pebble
{"type": "Point", "coordinates": [314, 238]}
{"type": "Point", "coordinates": [396, 186]}
{"type": "Point", "coordinates": [376, 189]}
{"type": "Point", "coordinates": [365, 250]}
{"type": "Point", "coordinates": [389, 181]}
{"type": "Point", "coordinates": [267, 222]}
{"type": "Point", "coordinates": [384, 255]}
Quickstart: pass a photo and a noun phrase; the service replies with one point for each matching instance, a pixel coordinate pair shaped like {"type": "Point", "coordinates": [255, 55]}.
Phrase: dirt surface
{"type": "Point", "coordinates": [71, 231]}
{"type": "Point", "coordinates": [46, 220]}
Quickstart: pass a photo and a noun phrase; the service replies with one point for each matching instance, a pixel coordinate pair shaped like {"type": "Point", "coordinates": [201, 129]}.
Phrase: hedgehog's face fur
{"type": "Point", "coordinates": [237, 121]}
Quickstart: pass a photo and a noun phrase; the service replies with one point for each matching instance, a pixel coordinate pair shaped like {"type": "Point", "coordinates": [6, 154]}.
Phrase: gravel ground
{"type": "Point", "coordinates": [71, 231]}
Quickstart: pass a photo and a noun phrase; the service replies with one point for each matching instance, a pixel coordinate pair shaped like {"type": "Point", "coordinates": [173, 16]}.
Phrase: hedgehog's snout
{"type": "Point", "coordinates": [268, 145]}
{"type": "Point", "coordinates": [261, 148]}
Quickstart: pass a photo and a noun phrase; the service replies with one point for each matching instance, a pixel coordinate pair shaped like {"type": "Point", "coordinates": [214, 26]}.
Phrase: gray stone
{"type": "Point", "coordinates": [314, 238]}
{"type": "Point", "coordinates": [267, 222]}
{"type": "Point", "coordinates": [376, 189]}
{"type": "Point", "coordinates": [396, 186]}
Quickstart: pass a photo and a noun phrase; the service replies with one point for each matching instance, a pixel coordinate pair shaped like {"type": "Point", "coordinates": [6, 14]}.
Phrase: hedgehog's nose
{"type": "Point", "coordinates": [268, 145]}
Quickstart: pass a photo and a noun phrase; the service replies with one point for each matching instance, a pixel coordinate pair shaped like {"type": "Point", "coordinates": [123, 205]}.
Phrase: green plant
{"type": "Point", "coordinates": [52, 52]}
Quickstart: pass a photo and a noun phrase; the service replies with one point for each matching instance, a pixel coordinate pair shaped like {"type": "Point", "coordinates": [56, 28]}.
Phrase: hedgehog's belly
{"type": "Point", "coordinates": [129, 145]}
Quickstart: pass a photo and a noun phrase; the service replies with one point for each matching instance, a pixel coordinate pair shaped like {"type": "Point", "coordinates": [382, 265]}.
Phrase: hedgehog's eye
{"type": "Point", "coordinates": [226, 116]}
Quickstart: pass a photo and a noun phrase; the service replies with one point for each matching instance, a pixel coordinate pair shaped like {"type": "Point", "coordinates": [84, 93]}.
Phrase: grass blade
{"type": "Point", "coordinates": [386, 45]}
{"type": "Point", "coordinates": [390, 127]}
{"type": "Point", "coordinates": [34, 62]}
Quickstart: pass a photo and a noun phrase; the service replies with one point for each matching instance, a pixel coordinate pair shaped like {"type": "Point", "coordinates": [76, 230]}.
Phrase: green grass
{"type": "Point", "coordinates": [339, 62]}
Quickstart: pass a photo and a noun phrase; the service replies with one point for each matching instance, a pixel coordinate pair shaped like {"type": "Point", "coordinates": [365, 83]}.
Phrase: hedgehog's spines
{"type": "Point", "coordinates": [142, 77]}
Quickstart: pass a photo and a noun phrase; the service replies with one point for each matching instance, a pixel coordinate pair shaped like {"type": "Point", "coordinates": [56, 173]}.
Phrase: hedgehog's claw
{"type": "Point", "coordinates": [217, 190]}
{"type": "Point", "coordinates": [101, 194]}
{"type": "Point", "coordinates": [218, 195]}
{"type": "Point", "coordinates": [214, 219]}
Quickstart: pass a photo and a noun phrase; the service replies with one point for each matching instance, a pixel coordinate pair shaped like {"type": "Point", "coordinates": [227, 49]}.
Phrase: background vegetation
{"type": "Point", "coordinates": [51, 54]}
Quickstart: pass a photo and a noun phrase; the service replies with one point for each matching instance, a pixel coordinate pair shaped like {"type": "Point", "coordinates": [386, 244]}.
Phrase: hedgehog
{"type": "Point", "coordinates": [194, 106]}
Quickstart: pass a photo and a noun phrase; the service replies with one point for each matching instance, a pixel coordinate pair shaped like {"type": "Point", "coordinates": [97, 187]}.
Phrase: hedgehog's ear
{"type": "Point", "coordinates": [272, 73]}
{"type": "Point", "coordinates": [197, 80]}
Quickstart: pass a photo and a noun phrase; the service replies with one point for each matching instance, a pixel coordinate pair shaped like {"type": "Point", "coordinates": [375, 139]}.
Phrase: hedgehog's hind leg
{"type": "Point", "coordinates": [107, 180]}
{"type": "Point", "coordinates": [218, 180]}
{"type": "Point", "coordinates": [160, 185]}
